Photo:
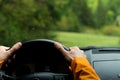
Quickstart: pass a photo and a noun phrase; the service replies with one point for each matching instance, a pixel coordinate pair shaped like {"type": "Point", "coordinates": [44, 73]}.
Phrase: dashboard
{"type": "Point", "coordinates": [105, 61]}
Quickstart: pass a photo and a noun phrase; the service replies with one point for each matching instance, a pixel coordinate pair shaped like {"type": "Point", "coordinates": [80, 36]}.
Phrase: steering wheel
{"type": "Point", "coordinates": [37, 59]}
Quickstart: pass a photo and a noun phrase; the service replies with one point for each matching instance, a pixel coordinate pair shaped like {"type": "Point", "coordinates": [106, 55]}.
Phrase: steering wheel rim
{"type": "Point", "coordinates": [45, 76]}
{"type": "Point", "coordinates": [29, 45]}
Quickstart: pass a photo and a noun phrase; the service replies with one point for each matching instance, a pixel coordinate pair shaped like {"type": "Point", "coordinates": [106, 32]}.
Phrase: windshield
{"type": "Point", "coordinates": [72, 22]}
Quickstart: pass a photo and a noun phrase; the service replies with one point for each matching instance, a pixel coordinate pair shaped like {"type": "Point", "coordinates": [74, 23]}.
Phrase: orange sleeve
{"type": "Point", "coordinates": [1, 62]}
{"type": "Point", "coordinates": [82, 70]}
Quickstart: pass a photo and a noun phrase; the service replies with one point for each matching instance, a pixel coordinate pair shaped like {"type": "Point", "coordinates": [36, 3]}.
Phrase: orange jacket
{"type": "Point", "coordinates": [82, 70]}
{"type": "Point", "coordinates": [1, 62]}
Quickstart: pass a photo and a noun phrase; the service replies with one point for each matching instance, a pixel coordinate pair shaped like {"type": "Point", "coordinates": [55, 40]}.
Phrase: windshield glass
{"type": "Point", "coordinates": [72, 22]}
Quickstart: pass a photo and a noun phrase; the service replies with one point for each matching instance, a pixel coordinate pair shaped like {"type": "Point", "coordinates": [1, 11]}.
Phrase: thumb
{"type": "Point", "coordinates": [15, 47]}
{"type": "Point", "coordinates": [64, 52]}
{"type": "Point", "coordinates": [60, 48]}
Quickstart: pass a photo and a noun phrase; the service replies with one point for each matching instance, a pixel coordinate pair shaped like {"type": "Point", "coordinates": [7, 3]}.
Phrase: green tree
{"type": "Point", "coordinates": [100, 17]}
{"type": "Point", "coordinates": [81, 9]}
{"type": "Point", "coordinates": [24, 20]}
{"type": "Point", "coordinates": [76, 14]}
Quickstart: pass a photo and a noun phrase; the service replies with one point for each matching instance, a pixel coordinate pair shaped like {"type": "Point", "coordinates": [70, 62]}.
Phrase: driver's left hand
{"type": "Point", "coordinates": [5, 52]}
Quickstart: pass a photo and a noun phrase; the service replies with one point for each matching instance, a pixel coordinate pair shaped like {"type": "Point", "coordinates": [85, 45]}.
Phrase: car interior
{"type": "Point", "coordinates": [38, 59]}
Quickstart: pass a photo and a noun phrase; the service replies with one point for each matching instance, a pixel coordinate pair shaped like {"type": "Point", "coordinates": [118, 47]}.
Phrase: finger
{"type": "Point", "coordinates": [75, 47]}
{"type": "Point", "coordinates": [6, 65]}
{"type": "Point", "coordinates": [15, 47]}
{"type": "Point", "coordinates": [9, 60]}
{"type": "Point", "coordinates": [72, 49]}
{"type": "Point", "coordinates": [4, 48]}
{"type": "Point", "coordinates": [14, 56]}
{"type": "Point", "coordinates": [61, 48]}
{"type": "Point", "coordinates": [64, 52]}
{"type": "Point", "coordinates": [83, 53]}
{"type": "Point", "coordinates": [7, 48]}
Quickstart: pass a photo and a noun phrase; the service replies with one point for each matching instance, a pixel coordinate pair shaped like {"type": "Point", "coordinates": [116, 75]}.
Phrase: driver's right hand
{"type": "Point", "coordinates": [74, 52]}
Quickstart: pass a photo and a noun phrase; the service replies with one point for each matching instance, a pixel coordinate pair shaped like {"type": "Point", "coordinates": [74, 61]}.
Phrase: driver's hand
{"type": "Point", "coordinates": [5, 52]}
{"type": "Point", "coordinates": [72, 53]}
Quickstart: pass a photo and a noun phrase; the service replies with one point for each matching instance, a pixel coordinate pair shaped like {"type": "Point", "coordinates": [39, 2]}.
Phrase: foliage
{"type": "Point", "coordinates": [84, 40]}
{"type": "Point", "coordinates": [91, 13]}
{"type": "Point", "coordinates": [22, 21]}
{"type": "Point", "coordinates": [111, 30]}
{"type": "Point", "coordinates": [27, 19]}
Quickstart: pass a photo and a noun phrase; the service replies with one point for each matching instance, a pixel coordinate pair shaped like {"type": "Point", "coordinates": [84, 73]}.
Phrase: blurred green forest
{"type": "Point", "coordinates": [22, 20]}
